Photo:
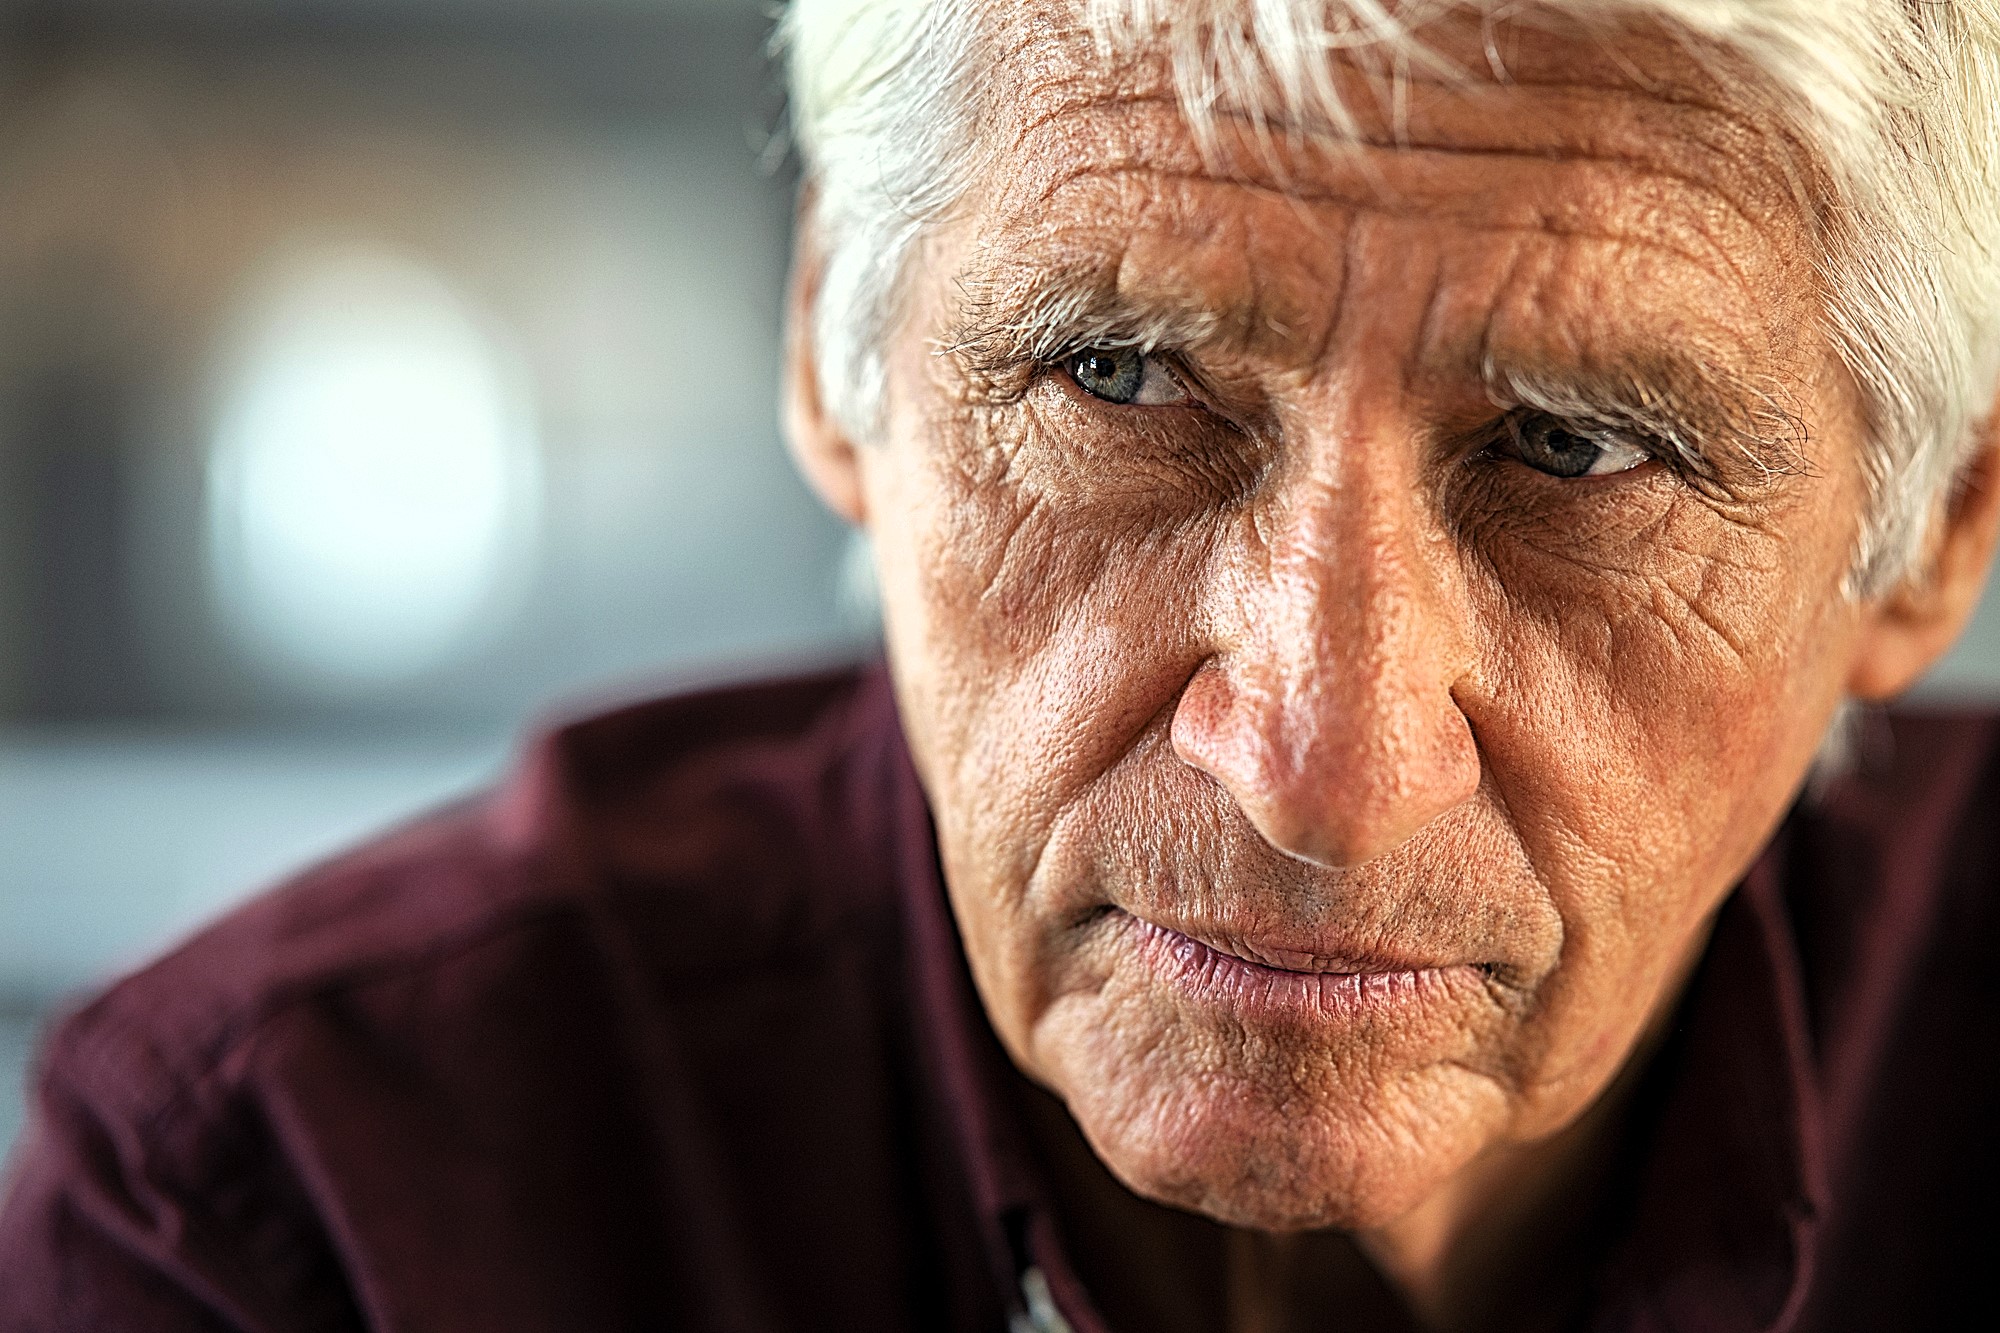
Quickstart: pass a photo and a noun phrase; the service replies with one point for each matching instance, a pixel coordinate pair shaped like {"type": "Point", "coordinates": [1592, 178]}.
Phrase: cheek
{"type": "Point", "coordinates": [1676, 675]}
{"type": "Point", "coordinates": [1050, 626]}
{"type": "Point", "coordinates": [1647, 709]}
{"type": "Point", "coordinates": [1038, 635]}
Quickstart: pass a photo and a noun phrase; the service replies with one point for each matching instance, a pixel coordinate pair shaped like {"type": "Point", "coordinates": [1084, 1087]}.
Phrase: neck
{"type": "Point", "coordinates": [1501, 1245]}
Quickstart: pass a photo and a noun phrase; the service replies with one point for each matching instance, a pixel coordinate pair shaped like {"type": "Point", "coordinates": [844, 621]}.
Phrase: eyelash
{"type": "Point", "coordinates": [1505, 439]}
{"type": "Point", "coordinates": [1515, 433]}
{"type": "Point", "coordinates": [1068, 365]}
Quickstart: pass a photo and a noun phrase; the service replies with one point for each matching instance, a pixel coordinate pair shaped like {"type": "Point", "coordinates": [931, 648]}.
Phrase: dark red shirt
{"type": "Point", "coordinates": [673, 1032]}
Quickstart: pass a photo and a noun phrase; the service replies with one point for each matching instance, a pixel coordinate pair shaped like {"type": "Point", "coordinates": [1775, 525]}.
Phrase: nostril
{"type": "Point", "coordinates": [1217, 730]}
{"type": "Point", "coordinates": [1202, 711]}
{"type": "Point", "coordinates": [1235, 735]}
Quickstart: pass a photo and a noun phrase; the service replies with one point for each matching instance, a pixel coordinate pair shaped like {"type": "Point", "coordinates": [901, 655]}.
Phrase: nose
{"type": "Point", "coordinates": [1328, 711]}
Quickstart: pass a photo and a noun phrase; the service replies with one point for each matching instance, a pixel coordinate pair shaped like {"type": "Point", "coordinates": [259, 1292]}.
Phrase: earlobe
{"type": "Point", "coordinates": [1911, 627]}
{"type": "Point", "coordinates": [826, 456]}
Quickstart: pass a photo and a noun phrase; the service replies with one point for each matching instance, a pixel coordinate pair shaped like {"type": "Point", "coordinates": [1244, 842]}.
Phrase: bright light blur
{"type": "Point", "coordinates": [373, 490]}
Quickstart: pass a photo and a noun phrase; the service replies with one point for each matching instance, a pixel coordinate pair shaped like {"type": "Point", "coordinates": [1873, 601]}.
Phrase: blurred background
{"type": "Point", "coordinates": [376, 377]}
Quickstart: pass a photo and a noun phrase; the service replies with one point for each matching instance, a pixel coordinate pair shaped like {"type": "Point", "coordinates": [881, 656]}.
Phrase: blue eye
{"type": "Point", "coordinates": [1111, 374]}
{"type": "Point", "coordinates": [1560, 450]}
{"type": "Point", "coordinates": [1125, 376]}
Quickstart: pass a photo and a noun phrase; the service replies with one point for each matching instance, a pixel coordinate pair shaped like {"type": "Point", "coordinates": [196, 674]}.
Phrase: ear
{"type": "Point", "coordinates": [819, 446]}
{"type": "Point", "coordinates": [1912, 626]}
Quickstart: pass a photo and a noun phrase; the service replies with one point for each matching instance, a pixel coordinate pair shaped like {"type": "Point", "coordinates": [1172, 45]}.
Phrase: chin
{"type": "Point", "coordinates": [1275, 1164]}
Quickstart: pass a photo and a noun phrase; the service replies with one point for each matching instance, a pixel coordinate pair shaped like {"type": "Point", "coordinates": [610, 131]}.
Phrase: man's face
{"type": "Point", "coordinates": [1343, 722]}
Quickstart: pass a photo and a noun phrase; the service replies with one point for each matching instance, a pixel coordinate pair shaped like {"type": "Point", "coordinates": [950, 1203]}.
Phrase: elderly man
{"type": "Point", "coordinates": [1379, 512]}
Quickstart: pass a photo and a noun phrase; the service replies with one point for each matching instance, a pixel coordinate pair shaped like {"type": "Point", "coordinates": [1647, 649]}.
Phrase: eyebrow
{"type": "Point", "coordinates": [1035, 313]}
{"type": "Point", "coordinates": [1716, 423]}
{"type": "Point", "coordinates": [1719, 425]}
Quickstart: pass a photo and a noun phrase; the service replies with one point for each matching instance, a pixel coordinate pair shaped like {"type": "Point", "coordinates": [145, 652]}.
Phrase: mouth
{"type": "Point", "coordinates": [1261, 979]}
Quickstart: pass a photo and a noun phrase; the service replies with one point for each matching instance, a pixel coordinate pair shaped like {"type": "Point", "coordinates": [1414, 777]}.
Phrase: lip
{"type": "Point", "coordinates": [1279, 982]}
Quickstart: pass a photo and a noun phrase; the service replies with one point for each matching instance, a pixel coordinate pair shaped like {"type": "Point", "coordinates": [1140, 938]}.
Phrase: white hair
{"type": "Point", "coordinates": [1898, 101]}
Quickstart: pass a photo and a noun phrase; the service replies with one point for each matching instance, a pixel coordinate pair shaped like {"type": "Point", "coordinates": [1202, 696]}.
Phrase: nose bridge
{"type": "Point", "coordinates": [1331, 718]}
{"type": "Point", "coordinates": [1356, 623]}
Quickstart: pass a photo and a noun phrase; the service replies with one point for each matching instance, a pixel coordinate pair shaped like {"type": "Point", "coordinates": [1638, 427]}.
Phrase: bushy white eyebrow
{"type": "Point", "coordinates": [1713, 422]}
{"type": "Point", "coordinates": [1043, 316]}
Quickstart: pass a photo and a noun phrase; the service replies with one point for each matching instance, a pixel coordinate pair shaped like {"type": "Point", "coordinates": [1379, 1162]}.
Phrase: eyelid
{"type": "Point", "coordinates": [1645, 455]}
{"type": "Point", "coordinates": [1506, 440]}
{"type": "Point", "coordinates": [1601, 432]}
{"type": "Point", "coordinates": [1650, 448]}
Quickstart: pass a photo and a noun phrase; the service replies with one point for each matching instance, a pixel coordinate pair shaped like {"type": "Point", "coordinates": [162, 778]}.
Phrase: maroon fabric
{"type": "Point", "coordinates": [673, 1032]}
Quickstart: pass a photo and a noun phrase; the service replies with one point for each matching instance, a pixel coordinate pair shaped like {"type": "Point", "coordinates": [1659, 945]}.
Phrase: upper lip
{"type": "Point", "coordinates": [1295, 953]}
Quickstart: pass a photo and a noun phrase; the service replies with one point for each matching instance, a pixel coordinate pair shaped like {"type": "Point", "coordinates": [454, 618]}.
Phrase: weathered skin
{"type": "Point", "coordinates": [1306, 666]}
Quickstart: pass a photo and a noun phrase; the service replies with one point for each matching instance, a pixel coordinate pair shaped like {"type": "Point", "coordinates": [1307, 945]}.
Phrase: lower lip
{"type": "Point", "coordinates": [1211, 976]}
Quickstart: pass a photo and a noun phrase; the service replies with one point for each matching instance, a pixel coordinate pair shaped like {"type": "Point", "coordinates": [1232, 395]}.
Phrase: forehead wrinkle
{"type": "Point", "coordinates": [1336, 209]}
{"type": "Point", "coordinates": [1018, 304]}
{"type": "Point", "coordinates": [1701, 210]}
{"type": "Point", "coordinates": [1759, 171]}
{"type": "Point", "coordinates": [1365, 159]}
{"type": "Point", "coordinates": [1470, 91]}
{"type": "Point", "coordinates": [1546, 222]}
{"type": "Point", "coordinates": [1695, 82]}
{"type": "Point", "coordinates": [1015, 295]}
{"type": "Point", "coordinates": [1619, 357]}
{"type": "Point", "coordinates": [1069, 56]}
{"type": "Point", "coordinates": [1432, 332]}
{"type": "Point", "coordinates": [1099, 296]}
{"type": "Point", "coordinates": [1197, 287]}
